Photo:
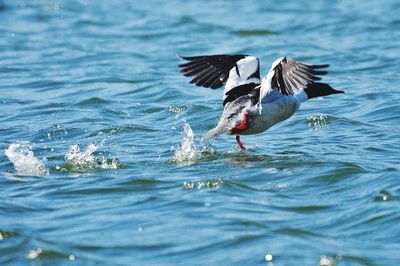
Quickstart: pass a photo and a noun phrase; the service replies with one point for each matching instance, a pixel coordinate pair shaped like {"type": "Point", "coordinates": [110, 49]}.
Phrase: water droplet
{"type": "Point", "coordinates": [203, 184]}
{"type": "Point", "coordinates": [34, 253]}
{"type": "Point", "coordinates": [71, 257]}
{"type": "Point", "coordinates": [268, 257]}
{"type": "Point", "coordinates": [325, 261]}
{"type": "Point", "coordinates": [177, 109]}
{"type": "Point", "coordinates": [188, 185]}
{"type": "Point", "coordinates": [383, 196]}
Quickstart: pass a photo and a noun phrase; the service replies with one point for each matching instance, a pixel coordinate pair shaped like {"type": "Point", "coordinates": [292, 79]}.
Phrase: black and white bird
{"type": "Point", "coordinates": [252, 105]}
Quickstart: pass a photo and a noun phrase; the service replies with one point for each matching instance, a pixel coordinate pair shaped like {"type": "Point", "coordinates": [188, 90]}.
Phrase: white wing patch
{"type": "Point", "coordinates": [266, 83]}
{"type": "Point", "coordinates": [246, 68]}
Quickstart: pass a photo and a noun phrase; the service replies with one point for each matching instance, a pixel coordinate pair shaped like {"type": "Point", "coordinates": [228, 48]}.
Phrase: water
{"type": "Point", "coordinates": [101, 157]}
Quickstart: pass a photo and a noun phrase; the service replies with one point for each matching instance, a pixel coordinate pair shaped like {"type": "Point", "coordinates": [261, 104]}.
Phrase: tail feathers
{"type": "Point", "coordinates": [318, 89]}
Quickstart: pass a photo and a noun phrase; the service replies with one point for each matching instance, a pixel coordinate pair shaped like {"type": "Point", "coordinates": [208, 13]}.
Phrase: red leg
{"type": "Point", "coordinates": [239, 142]}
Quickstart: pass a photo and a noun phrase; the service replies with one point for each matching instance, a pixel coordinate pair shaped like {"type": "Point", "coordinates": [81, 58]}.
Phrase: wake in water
{"type": "Point", "coordinates": [24, 161]}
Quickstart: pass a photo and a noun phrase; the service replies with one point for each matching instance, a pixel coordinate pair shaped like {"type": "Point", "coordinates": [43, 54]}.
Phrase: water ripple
{"type": "Point", "coordinates": [101, 157]}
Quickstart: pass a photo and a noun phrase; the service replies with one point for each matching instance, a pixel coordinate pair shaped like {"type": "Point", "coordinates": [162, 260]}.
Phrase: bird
{"type": "Point", "coordinates": [252, 105]}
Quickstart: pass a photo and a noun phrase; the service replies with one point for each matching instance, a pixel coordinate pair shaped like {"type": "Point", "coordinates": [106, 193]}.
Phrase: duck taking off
{"type": "Point", "coordinates": [252, 105]}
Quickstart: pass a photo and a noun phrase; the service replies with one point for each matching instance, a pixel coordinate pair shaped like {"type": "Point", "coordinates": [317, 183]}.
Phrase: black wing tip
{"type": "Point", "coordinates": [199, 84]}
{"type": "Point", "coordinates": [320, 73]}
{"type": "Point", "coordinates": [208, 55]}
{"type": "Point", "coordinates": [186, 74]}
{"type": "Point", "coordinates": [209, 71]}
{"type": "Point", "coordinates": [187, 58]}
{"type": "Point", "coordinates": [183, 69]}
{"type": "Point", "coordinates": [319, 66]}
{"type": "Point", "coordinates": [182, 65]}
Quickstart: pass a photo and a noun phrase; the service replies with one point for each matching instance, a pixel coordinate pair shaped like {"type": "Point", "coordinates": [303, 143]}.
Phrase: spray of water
{"type": "Point", "coordinates": [80, 159]}
{"type": "Point", "coordinates": [26, 164]}
{"type": "Point", "coordinates": [187, 151]}
{"type": "Point", "coordinates": [24, 161]}
{"type": "Point", "coordinates": [317, 122]}
{"type": "Point", "coordinates": [77, 160]}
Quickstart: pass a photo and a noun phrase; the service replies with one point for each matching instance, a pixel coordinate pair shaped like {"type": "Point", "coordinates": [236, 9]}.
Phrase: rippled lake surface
{"type": "Point", "coordinates": [101, 157]}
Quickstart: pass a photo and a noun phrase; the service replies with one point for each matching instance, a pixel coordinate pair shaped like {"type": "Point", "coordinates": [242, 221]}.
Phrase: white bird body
{"type": "Point", "coordinates": [271, 113]}
{"type": "Point", "coordinates": [252, 106]}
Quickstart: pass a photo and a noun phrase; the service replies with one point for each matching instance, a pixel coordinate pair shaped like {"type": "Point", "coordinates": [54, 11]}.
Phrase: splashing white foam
{"type": "Point", "coordinates": [203, 184]}
{"type": "Point", "coordinates": [78, 160]}
{"type": "Point", "coordinates": [187, 151]}
{"type": "Point", "coordinates": [34, 253]}
{"type": "Point", "coordinates": [24, 161]}
{"type": "Point", "coordinates": [317, 122]}
{"type": "Point", "coordinates": [326, 261]}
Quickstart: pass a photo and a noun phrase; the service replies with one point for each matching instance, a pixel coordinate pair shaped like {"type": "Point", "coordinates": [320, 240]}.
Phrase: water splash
{"type": "Point", "coordinates": [203, 184]}
{"type": "Point", "coordinates": [317, 122]}
{"type": "Point", "coordinates": [187, 151]}
{"type": "Point", "coordinates": [81, 161]}
{"type": "Point", "coordinates": [327, 261]}
{"type": "Point", "coordinates": [24, 161]}
{"type": "Point", "coordinates": [34, 253]}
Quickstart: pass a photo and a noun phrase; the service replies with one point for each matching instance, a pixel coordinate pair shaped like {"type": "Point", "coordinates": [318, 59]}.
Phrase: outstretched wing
{"type": "Point", "coordinates": [239, 73]}
{"type": "Point", "coordinates": [210, 71]}
{"type": "Point", "coordinates": [290, 77]}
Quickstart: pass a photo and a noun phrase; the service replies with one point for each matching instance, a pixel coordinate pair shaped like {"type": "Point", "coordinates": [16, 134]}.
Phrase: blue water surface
{"type": "Point", "coordinates": [101, 157]}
